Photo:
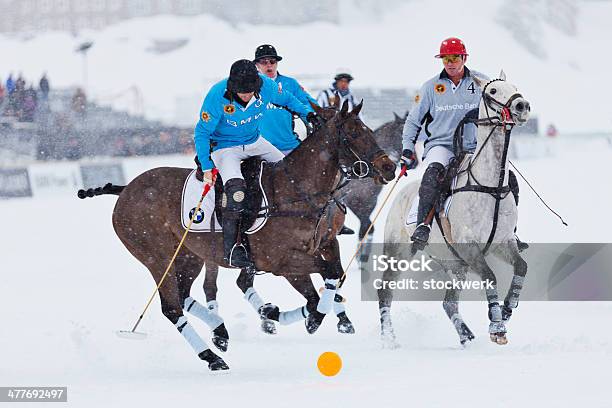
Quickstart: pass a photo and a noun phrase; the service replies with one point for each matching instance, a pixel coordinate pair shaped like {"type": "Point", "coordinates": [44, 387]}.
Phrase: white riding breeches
{"type": "Point", "coordinates": [228, 160]}
{"type": "Point", "coordinates": [439, 154]}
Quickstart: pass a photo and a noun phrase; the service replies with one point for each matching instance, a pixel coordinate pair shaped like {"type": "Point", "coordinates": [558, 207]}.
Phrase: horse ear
{"type": "Point", "coordinates": [315, 107]}
{"type": "Point", "coordinates": [336, 101]}
{"type": "Point", "coordinates": [357, 109]}
{"type": "Point", "coordinates": [344, 109]}
{"type": "Point", "coordinates": [396, 117]}
{"type": "Point", "coordinates": [480, 82]}
{"type": "Point", "coordinates": [502, 75]}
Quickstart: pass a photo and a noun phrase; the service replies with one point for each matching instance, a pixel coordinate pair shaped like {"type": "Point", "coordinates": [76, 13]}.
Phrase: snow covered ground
{"type": "Point", "coordinates": [67, 284]}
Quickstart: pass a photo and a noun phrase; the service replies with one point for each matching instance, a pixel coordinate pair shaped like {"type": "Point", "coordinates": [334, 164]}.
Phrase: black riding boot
{"type": "Point", "coordinates": [346, 231]}
{"type": "Point", "coordinates": [428, 195]}
{"type": "Point", "coordinates": [235, 253]}
{"type": "Point", "coordinates": [514, 188]}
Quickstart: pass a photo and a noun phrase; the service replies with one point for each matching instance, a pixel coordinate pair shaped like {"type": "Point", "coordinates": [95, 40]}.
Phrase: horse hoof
{"type": "Point", "coordinates": [465, 334]}
{"type": "Point", "coordinates": [344, 324]}
{"type": "Point", "coordinates": [499, 338]}
{"type": "Point", "coordinates": [313, 321]}
{"type": "Point", "coordinates": [221, 337]}
{"type": "Point", "coordinates": [346, 328]}
{"type": "Point", "coordinates": [215, 363]}
{"type": "Point", "coordinates": [268, 326]}
{"type": "Point", "coordinates": [389, 343]}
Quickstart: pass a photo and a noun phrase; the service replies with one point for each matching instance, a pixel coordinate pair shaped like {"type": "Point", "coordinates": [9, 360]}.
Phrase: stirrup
{"type": "Point", "coordinates": [420, 236]}
{"type": "Point", "coordinates": [239, 259]}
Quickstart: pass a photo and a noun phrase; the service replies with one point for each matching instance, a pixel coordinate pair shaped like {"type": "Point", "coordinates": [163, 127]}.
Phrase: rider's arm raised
{"type": "Point", "coordinates": [280, 97]}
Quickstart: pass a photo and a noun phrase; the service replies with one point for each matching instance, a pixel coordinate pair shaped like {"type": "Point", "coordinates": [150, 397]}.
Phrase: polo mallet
{"type": "Point", "coordinates": [343, 278]}
{"type": "Point", "coordinates": [133, 334]}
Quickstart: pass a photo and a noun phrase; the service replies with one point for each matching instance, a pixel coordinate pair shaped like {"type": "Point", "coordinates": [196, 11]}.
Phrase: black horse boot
{"type": "Point", "coordinates": [514, 188]}
{"type": "Point", "coordinates": [428, 195]}
{"type": "Point", "coordinates": [235, 253]}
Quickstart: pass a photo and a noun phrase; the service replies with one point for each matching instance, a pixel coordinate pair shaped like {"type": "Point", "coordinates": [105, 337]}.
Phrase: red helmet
{"type": "Point", "coordinates": [452, 46]}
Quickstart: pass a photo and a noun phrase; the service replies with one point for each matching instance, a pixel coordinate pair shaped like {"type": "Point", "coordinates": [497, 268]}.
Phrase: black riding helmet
{"type": "Point", "coordinates": [244, 77]}
{"type": "Point", "coordinates": [343, 75]}
{"type": "Point", "coordinates": [266, 51]}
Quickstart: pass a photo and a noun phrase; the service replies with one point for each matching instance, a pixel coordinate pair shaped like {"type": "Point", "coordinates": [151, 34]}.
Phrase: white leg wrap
{"type": "Point", "coordinates": [293, 316]}
{"type": "Point", "coordinates": [327, 298]}
{"type": "Point", "coordinates": [188, 332]}
{"type": "Point", "coordinates": [253, 298]}
{"type": "Point", "coordinates": [194, 307]}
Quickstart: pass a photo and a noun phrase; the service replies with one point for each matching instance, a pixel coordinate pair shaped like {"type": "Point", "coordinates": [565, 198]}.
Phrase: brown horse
{"type": "Point", "coordinates": [297, 240]}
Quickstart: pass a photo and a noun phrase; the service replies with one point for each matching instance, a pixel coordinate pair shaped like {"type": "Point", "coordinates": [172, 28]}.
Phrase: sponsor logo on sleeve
{"type": "Point", "coordinates": [205, 116]}
{"type": "Point", "coordinates": [417, 98]}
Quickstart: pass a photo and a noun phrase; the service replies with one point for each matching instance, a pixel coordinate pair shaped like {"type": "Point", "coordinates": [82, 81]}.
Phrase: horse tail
{"type": "Point", "coordinates": [109, 188]}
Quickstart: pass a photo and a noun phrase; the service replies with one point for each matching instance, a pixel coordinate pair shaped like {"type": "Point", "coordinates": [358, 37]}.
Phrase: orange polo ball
{"type": "Point", "coordinates": [329, 363]}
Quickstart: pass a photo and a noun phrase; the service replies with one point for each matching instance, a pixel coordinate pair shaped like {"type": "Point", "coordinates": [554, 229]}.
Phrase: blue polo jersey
{"type": "Point", "coordinates": [224, 123]}
{"type": "Point", "coordinates": [277, 124]}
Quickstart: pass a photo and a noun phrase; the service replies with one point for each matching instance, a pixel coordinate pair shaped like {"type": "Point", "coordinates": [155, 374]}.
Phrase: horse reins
{"type": "Point", "coordinates": [499, 192]}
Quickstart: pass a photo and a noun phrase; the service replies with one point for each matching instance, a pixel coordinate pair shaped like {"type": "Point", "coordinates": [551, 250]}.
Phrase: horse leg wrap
{"type": "Point", "coordinates": [327, 298]}
{"type": "Point", "coordinates": [253, 298]}
{"type": "Point", "coordinates": [429, 191]}
{"type": "Point", "coordinates": [512, 298]}
{"type": "Point", "coordinates": [186, 329]}
{"type": "Point", "coordinates": [194, 307]}
{"type": "Point", "coordinates": [293, 316]}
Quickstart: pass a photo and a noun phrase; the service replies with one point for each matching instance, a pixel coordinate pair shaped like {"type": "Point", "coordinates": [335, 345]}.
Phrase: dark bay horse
{"type": "Point", "coordinates": [297, 240]}
{"type": "Point", "coordinates": [361, 197]}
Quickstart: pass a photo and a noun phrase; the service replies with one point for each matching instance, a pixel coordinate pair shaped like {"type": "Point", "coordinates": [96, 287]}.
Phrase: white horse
{"type": "Point", "coordinates": [480, 221]}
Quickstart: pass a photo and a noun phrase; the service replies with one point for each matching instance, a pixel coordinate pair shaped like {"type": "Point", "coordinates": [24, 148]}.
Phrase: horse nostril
{"type": "Point", "coordinates": [527, 106]}
{"type": "Point", "coordinates": [520, 106]}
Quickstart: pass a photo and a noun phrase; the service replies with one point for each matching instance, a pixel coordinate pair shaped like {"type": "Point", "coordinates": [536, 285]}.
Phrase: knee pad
{"type": "Point", "coordinates": [431, 180]}
{"type": "Point", "coordinates": [234, 195]}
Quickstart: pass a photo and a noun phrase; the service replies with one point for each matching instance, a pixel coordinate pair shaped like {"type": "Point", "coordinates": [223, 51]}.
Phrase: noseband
{"type": "Point", "coordinates": [360, 168]}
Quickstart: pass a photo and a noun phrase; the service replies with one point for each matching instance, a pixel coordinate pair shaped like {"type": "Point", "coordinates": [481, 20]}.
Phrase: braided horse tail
{"type": "Point", "coordinates": [107, 189]}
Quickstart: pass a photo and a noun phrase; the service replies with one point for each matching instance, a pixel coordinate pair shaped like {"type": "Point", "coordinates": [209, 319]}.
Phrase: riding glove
{"type": "Point", "coordinates": [409, 159]}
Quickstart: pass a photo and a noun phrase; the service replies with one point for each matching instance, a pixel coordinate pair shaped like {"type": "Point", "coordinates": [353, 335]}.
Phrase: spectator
{"type": "Point", "coordinates": [79, 103]}
{"type": "Point", "coordinates": [10, 84]}
{"type": "Point", "coordinates": [2, 92]}
{"type": "Point", "coordinates": [30, 102]}
{"type": "Point", "coordinates": [44, 86]}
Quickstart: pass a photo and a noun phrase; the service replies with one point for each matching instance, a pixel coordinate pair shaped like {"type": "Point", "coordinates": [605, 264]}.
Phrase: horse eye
{"type": "Point", "coordinates": [493, 91]}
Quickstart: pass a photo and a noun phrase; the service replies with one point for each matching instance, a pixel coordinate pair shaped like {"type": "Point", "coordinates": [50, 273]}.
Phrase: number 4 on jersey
{"type": "Point", "coordinates": [471, 88]}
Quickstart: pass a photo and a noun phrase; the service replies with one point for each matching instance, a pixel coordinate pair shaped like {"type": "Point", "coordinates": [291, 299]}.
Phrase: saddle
{"type": "Point", "coordinates": [252, 169]}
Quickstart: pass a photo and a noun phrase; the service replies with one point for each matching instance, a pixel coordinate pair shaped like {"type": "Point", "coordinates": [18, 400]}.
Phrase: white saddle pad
{"type": "Point", "coordinates": [412, 210]}
{"type": "Point", "coordinates": [206, 220]}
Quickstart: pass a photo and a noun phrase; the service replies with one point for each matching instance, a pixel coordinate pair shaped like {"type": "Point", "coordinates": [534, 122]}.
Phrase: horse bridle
{"type": "Point", "coordinates": [360, 168]}
{"type": "Point", "coordinates": [504, 119]}
{"type": "Point", "coordinates": [504, 108]}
